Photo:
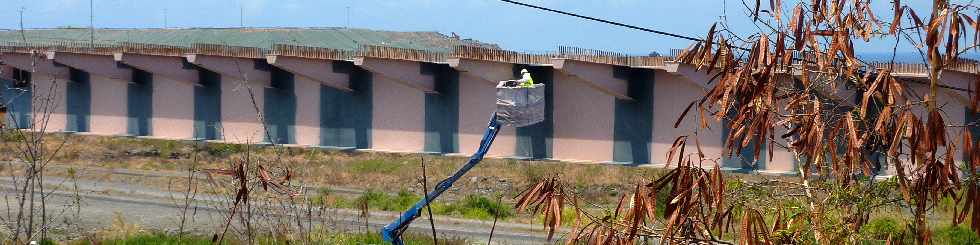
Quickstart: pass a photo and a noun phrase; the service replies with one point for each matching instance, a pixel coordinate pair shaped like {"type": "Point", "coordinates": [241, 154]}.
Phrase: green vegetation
{"type": "Point", "coordinates": [955, 235]}
{"type": "Point", "coordinates": [880, 229]}
{"type": "Point", "coordinates": [599, 185]}
{"type": "Point", "coordinates": [375, 238]}
{"type": "Point", "coordinates": [475, 207]}
{"type": "Point", "coordinates": [567, 216]}
{"type": "Point", "coordinates": [9, 135]}
{"type": "Point", "coordinates": [152, 238]}
{"type": "Point", "coordinates": [386, 202]}
{"type": "Point", "coordinates": [224, 149]}
{"type": "Point", "coordinates": [471, 207]}
{"type": "Point", "coordinates": [158, 238]}
{"type": "Point", "coordinates": [167, 148]}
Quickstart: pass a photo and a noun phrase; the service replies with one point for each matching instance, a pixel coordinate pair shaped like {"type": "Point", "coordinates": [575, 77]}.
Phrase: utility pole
{"type": "Point", "coordinates": [241, 14]}
{"type": "Point", "coordinates": [23, 36]}
{"type": "Point", "coordinates": [164, 17]}
{"type": "Point", "coordinates": [91, 22]}
{"type": "Point", "coordinates": [348, 17]}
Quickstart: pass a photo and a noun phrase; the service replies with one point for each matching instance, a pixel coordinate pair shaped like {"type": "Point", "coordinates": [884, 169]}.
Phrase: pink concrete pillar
{"type": "Point", "coordinates": [48, 86]}
{"type": "Point", "coordinates": [398, 117]}
{"type": "Point", "coordinates": [239, 120]}
{"type": "Point", "coordinates": [173, 108]}
{"type": "Point", "coordinates": [307, 110]}
{"type": "Point", "coordinates": [478, 98]}
{"type": "Point", "coordinates": [309, 75]}
{"type": "Point", "coordinates": [108, 92]}
{"type": "Point", "coordinates": [108, 106]}
{"type": "Point", "coordinates": [242, 92]}
{"type": "Point", "coordinates": [173, 93]}
{"type": "Point", "coordinates": [671, 95]}
{"type": "Point", "coordinates": [399, 104]}
{"type": "Point", "coordinates": [49, 97]}
{"type": "Point", "coordinates": [583, 120]}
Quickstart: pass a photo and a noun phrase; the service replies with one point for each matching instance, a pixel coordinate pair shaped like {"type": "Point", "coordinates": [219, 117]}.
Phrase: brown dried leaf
{"type": "Point", "coordinates": [897, 21]}
{"type": "Point", "coordinates": [683, 114]}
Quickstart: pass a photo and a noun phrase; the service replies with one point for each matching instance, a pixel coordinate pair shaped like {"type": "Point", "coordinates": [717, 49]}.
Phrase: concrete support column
{"type": "Point", "coordinates": [207, 106]}
{"type": "Point", "coordinates": [399, 91]}
{"type": "Point", "coordinates": [346, 117]}
{"type": "Point", "coordinates": [442, 109]}
{"type": "Point", "coordinates": [477, 87]}
{"type": "Point", "coordinates": [163, 89]}
{"type": "Point", "coordinates": [281, 95]}
{"type": "Point", "coordinates": [78, 101]}
{"type": "Point", "coordinates": [241, 84]}
{"type": "Point", "coordinates": [17, 94]}
{"type": "Point", "coordinates": [47, 88]}
{"type": "Point", "coordinates": [583, 119]}
{"type": "Point", "coordinates": [98, 95]}
{"type": "Point", "coordinates": [633, 126]}
{"type": "Point", "coordinates": [671, 94]}
{"type": "Point", "coordinates": [308, 76]}
{"type": "Point", "coordinates": [140, 104]}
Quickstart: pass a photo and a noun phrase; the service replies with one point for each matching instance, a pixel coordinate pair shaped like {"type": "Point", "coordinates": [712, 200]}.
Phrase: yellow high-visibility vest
{"type": "Point", "coordinates": [528, 81]}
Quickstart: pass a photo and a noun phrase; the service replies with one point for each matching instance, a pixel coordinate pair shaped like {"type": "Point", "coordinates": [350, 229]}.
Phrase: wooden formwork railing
{"type": "Point", "coordinates": [963, 65]}
{"type": "Point", "coordinates": [82, 47]}
{"type": "Point", "coordinates": [227, 50]}
{"type": "Point", "coordinates": [592, 55]}
{"type": "Point", "coordinates": [312, 52]}
{"type": "Point", "coordinates": [674, 52]}
{"type": "Point", "coordinates": [614, 58]}
{"type": "Point", "coordinates": [900, 68]}
{"type": "Point", "coordinates": [456, 51]}
{"type": "Point", "coordinates": [649, 61]}
{"type": "Point", "coordinates": [153, 49]}
{"type": "Point", "coordinates": [23, 47]}
{"type": "Point", "coordinates": [498, 55]}
{"type": "Point", "coordinates": [384, 52]}
{"type": "Point", "coordinates": [59, 46]}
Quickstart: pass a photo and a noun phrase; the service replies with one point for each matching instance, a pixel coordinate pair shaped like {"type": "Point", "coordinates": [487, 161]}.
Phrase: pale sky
{"type": "Point", "coordinates": [511, 26]}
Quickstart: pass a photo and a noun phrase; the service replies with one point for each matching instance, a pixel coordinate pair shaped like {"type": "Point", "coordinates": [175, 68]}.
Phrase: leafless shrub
{"type": "Point", "coordinates": [29, 218]}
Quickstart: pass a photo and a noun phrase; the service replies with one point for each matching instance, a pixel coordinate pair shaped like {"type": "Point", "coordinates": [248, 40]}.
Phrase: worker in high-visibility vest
{"type": "Point", "coordinates": [526, 80]}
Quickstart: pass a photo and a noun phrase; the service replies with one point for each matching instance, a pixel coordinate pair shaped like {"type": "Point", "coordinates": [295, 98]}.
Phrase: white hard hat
{"type": "Point", "coordinates": [524, 71]}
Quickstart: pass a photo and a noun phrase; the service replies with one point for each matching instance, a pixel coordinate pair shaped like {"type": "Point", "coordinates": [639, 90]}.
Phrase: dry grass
{"type": "Point", "coordinates": [597, 183]}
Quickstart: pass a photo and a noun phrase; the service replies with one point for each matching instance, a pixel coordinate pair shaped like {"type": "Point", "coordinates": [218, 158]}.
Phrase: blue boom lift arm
{"type": "Point", "coordinates": [393, 232]}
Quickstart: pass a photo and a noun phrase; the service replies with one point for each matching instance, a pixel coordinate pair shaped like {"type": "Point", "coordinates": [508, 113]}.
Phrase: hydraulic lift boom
{"type": "Point", "coordinates": [393, 232]}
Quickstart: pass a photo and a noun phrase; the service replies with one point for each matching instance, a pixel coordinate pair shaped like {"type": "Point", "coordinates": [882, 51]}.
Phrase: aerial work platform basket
{"type": "Point", "coordinates": [519, 106]}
